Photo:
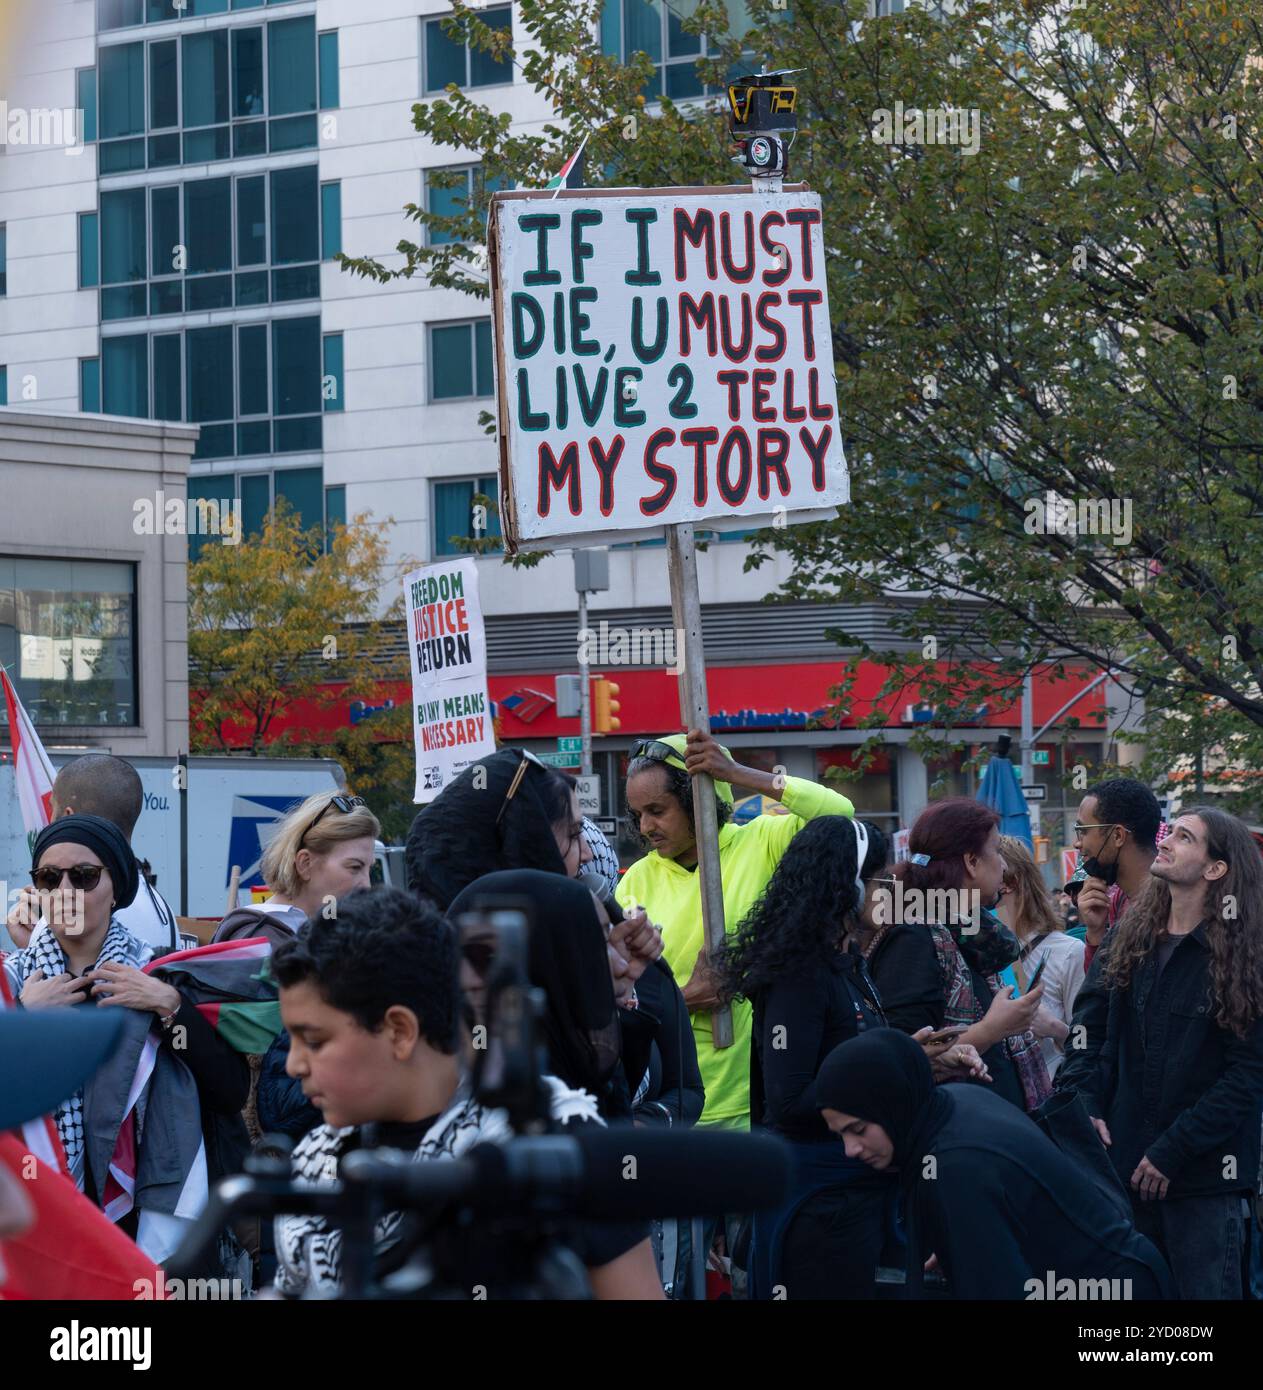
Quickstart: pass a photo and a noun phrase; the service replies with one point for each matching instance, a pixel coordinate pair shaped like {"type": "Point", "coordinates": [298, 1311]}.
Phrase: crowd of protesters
{"type": "Point", "coordinates": [984, 1089]}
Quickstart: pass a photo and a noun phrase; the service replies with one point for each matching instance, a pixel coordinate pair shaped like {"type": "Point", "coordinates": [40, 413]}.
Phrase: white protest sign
{"type": "Point", "coordinates": [447, 648]}
{"type": "Point", "coordinates": [662, 356]}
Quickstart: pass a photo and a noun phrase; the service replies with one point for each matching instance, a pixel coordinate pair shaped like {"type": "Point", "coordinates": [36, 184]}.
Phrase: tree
{"type": "Point", "coordinates": [1045, 260]}
{"type": "Point", "coordinates": [280, 619]}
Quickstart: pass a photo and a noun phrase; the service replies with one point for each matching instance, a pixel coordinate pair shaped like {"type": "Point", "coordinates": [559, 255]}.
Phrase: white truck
{"type": "Point", "coordinates": [233, 803]}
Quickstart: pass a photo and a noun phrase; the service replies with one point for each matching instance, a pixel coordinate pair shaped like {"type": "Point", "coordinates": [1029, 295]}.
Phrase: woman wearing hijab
{"type": "Point", "coordinates": [981, 1187]}
{"type": "Point", "coordinates": [789, 958]}
{"type": "Point", "coordinates": [143, 1114]}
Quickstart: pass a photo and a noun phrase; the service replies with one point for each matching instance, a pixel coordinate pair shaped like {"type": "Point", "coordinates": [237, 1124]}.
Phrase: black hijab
{"type": "Point", "coordinates": [884, 1077]}
{"type": "Point", "coordinates": [568, 961]}
{"type": "Point", "coordinates": [474, 827]}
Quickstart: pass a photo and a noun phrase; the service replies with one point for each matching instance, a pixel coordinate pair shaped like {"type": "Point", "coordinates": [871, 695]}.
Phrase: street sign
{"type": "Point", "coordinates": [1039, 757]}
{"type": "Point", "coordinates": [1034, 792]}
{"type": "Point", "coordinates": [570, 745]}
{"type": "Point", "coordinates": [590, 794]}
{"type": "Point", "coordinates": [606, 824]}
{"type": "Point", "coordinates": [565, 760]}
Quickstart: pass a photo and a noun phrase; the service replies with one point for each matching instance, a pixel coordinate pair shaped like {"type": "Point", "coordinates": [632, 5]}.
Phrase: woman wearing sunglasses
{"type": "Point", "coordinates": [84, 871]}
{"type": "Point", "coordinates": [322, 850]}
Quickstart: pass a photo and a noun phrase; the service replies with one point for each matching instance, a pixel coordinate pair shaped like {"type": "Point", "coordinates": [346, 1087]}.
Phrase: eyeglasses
{"type": "Point", "coordinates": [345, 804]}
{"type": "Point", "coordinates": [1079, 827]}
{"type": "Point", "coordinates": [84, 877]}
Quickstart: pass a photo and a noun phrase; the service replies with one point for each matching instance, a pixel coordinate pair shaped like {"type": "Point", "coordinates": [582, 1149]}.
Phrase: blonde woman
{"type": "Point", "coordinates": [321, 851]}
{"type": "Point", "coordinates": [1029, 912]}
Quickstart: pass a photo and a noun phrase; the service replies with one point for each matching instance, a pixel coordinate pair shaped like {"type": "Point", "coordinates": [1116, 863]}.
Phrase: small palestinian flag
{"type": "Point", "coordinates": [571, 173]}
{"type": "Point", "coordinates": [229, 985]}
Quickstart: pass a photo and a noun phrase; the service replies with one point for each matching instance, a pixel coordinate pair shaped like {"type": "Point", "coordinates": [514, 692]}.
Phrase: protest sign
{"type": "Point", "coordinates": [447, 648]}
{"type": "Point", "coordinates": [662, 356]}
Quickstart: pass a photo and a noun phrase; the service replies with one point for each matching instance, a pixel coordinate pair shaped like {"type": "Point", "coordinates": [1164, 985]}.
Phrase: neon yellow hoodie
{"type": "Point", "coordinates": [748, 855]}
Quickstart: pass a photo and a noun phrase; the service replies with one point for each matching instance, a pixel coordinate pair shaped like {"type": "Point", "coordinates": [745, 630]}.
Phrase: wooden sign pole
{"type": "Point", "coordinates": [686, 608]}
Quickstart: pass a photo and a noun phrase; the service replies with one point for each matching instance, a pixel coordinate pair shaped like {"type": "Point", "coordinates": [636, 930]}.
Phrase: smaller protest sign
{"type": "Point", "coordinates": [447, 649]}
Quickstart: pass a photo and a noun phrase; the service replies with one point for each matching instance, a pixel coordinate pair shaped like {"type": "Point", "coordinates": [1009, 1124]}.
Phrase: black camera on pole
{"type": "Point", "coordinates": [763, 121]}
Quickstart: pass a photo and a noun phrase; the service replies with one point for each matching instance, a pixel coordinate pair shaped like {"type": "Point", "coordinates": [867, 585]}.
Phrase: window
{"type": "Point", "coordinates": [330, 220]}
{"type": "Point", "coordinates": [331, 386]}
{"type": "Point", "coordinates": [454, 513]}
{"type": "Point", "coordinates": [296, 397]}
{"type": "Point", "coordinates": [4, 386]}
{"type": "Point", "coordinates": [67, 637]}
{"type": "Point", "coordinates": [120, 14]}
{"type": "Point", "coordinates": [4, 260]}
{"type": "Point", "coordinates": [460, 361]}
{"type": "Point", "coordinates": [89, 251]}
{"type": "Point", "coordinates": [123, 253]}
{"type": "Point", "coordinates": [125, 375]}
{"type": "Point", "coordinates": [653, 27]}
{"type": "Point", "coordinates": [328, 63]}
{"type": "Point", "coordinates": [85, 97]}
{"type": "Point", "coordinates": [448, 193]}
{"type": "Point", "coordinates": [209, 95]}
{"type": "Point", "coordinates": [254, 493]}
{"type": "Point", "coordinates": [335, 512]}
{"type": "Point", "coordinates": [168, 385]}
{"type": "Point", "coordinates": [90, 385]}
{"type": "Point", "coordinates": [447, 61]}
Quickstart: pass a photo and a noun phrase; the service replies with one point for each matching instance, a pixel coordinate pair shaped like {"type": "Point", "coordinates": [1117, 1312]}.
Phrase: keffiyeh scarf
{"type": "Point", "coordinates": [44, 953]}
{"type": "Point", "coordinates": [309, 1253]}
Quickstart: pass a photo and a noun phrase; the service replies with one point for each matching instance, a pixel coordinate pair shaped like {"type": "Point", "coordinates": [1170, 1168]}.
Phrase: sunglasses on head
{"type": "Point", "coordinates": [345, 804]}
{"type": "Point", "coordinates": [657, 750]}
{"type": "Point", "coordinates": [84, 877]}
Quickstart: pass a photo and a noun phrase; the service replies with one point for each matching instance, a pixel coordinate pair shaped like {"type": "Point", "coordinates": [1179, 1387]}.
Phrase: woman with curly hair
{"type": "Point", "coordinates": [809, 993]}
{"type": "Point", "coordinates": [1179, 1082]}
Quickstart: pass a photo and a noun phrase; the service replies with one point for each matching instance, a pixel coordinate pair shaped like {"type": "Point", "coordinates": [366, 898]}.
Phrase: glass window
{"type": "Point", "coordinates": [164, 215]}
{"type": "Point", "coordinates": [85, 95]}
{"type": "Point", "coordinates": [122, 69]}
{"type": "Point", "coordinates": [329, 70]}
{"type": "Point", "coordinates": [125, 375]}
{"type": "Point", "coordinates": [167, 394]}
{"type": "Point", "coordinates": [90, 385]}
{"type": "Point", "coordinates": [304, 490]}
{"type": "Point", "coordinates": [252, 369]}
{"type": "Point", "coordinates": [4, 259]}
{"type": "Point", "coordinates": [205, 73]}
{"type": "Point", "coordinates": [4, 386]}
{"type": "Point", "coordinates": [247, 71]}
{"type": "Point", "coordinates": [208, 224]}
{"type": "Point", "coordinates": [330, 220]}
{"type": "Point", "coordinates": [164, 103]}
{"type": "Point", "coordinates": [331, 387]}
{"type": "Point", "coordinates": [447, 202]}
{"type": "Point", "coordinates": [208, 487]}
{"type": "Point", "coordinates": [292, 66]}
{"type": "Point", "coordinates": [67, 638]}
{"type": "Point", "coordinates": [296, 366]}
{"type": "Point", "coordinates": [119, 14]}
{"type": "Point", "coordinates": [485, 70]}
{"type": "Point", "coordinates": [122, 236]}
{"type": "Point", "coordinates": [295, 218]}
{"type": "Point", "coordinates": [454, 512]}
{"type": "Point", "coordinates": [460, 361]}
{"type": "Point", "coordinates": [208, 359]}
{"type": "Point", "coordinates": [256, 502]}
{"type": "Point", "coordinates": [251, 222]}
{"type": "Point", "coordinates": [335, 512]}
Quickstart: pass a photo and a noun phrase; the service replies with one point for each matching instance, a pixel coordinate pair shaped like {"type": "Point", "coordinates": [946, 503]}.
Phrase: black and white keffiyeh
{"type": "Point", "coordinates": [44, 953]}
{"type": "Point", "coordinates": [309, 1254]}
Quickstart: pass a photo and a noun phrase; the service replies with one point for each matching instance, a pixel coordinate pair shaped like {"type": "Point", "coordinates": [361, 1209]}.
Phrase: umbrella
{"type": "Point", "coordinates": [1002, 791]}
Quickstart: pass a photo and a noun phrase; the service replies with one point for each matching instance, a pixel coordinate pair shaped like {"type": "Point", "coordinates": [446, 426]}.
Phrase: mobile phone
{"type": "Point", "coordinates": [1034, 979]}
{"type": "Point", "coordinates": [947, 1034]}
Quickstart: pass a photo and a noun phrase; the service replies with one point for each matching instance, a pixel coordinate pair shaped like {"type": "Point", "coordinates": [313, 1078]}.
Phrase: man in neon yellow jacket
{"type": "Point", "coordinates": [665, 882]}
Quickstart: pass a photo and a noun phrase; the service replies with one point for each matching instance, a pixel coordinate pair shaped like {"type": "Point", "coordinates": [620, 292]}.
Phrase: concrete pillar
{"type": "Point", "coordinates": [913, 788]}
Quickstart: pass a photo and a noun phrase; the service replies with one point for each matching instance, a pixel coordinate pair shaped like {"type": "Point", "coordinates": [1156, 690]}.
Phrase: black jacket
{"type": "Point", "coordinates": [1174, 1086]}
{"type": "Point", "coordinates": [674, 1094]}
{"type": "Point", "coordinates": [1087, 1027]}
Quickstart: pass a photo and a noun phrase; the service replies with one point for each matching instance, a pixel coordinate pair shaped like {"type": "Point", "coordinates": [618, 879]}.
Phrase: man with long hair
{"type": "Point", "coordinates": [1178, 1085]}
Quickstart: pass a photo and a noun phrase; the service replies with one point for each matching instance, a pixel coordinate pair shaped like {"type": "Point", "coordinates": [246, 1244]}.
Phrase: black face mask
{"type": "Point", "coordinates": [1107, 873]}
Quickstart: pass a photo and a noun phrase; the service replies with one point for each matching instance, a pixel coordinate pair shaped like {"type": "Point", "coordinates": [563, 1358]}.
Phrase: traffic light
{"type": "Point", "coordinates": [605, 707]}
